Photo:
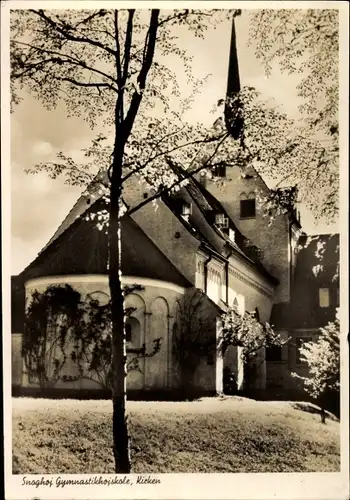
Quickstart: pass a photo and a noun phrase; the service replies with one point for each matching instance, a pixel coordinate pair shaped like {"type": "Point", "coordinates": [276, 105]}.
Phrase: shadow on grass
{"type": "Point", "coordinates": [312, 408]}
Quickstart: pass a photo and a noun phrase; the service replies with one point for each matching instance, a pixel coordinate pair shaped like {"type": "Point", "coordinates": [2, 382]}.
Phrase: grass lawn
{"type": "Point", "coordinates": [212, 435]}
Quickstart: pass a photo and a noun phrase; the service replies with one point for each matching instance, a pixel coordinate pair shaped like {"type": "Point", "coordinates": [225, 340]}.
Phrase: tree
{"type": "Point", "coordinates": [98, 61]}
{"type": "Point", "coordinates": [250, 336]}
{"type": "Point", "coordinates": [193, 337]}
{"type": "Point", "coordinates": [92, 350]}
{"type": "Point", "coordinates": [323, 361]}
{"type": "Point", "coordinates": [54, 320]}
{"type": "Point", "coordinates": [305, 42]}
{"type": "Point", "coordinates": [111, 68]}
{"type": "Point", "coordinates": [61, 329]}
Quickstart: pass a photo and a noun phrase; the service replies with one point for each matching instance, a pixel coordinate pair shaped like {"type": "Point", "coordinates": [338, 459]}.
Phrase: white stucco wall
{"type": "Point", "coordinates": [154, 313]}
{"type": "Point", "coordinates": [16, 359]}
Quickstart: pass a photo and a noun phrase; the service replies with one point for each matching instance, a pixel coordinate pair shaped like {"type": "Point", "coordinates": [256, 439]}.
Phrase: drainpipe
{"type": "Point", "coordinates": [290, 260]}
{"type": "Point", "coordinates": [206, 273]}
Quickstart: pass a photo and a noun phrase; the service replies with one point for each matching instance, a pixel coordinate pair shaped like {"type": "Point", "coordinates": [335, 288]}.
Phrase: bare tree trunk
{"type": "Point", "coordinates": [120, 428]}
{"type": "Point", "coordinates": [123, 128]}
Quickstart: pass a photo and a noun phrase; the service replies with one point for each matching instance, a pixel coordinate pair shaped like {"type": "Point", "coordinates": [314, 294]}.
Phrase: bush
{"type": "Point", "coordinates": [323, 360]}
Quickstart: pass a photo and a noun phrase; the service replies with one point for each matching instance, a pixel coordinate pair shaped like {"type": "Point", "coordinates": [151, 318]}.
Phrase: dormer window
{"type": "Point", "coordinates": [186, 210]}
{"type": "Point", "coordinates": [247, 206]}
{"type": "Point", "coordinates": [221, 221]}
{"type": "Point", "coordinates": [231, 235]}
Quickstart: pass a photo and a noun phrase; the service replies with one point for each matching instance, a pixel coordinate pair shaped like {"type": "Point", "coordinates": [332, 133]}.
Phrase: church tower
{"type": "Point", "coordinates": [275, 243]}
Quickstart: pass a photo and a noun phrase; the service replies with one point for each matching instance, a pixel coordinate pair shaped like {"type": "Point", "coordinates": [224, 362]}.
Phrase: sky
{"type": "Point", "coordinates": [38, 204]}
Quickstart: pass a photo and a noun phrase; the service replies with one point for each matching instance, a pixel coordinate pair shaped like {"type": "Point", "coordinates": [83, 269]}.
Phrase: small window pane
{"type": "Point", "coordinates": [324, 297]}
{"type": "Point", "coordinates": [247, 209]}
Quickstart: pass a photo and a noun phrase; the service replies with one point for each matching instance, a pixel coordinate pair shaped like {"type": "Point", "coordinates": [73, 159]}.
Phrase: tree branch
{"type": "Point", "coordinates": [185, 176]}
{"type": "Point", "coordinates": [175, 148]}
{"type": "Point", "coordinates": [69, 60]}
{"type": "Point", "coordinates": [117, 56]}
{"type": "Point", "coordinates": [85, 84]}
{"type": "Point", "coordinates": [127, 45]}
{"type": "Point", "coordinates": [71, 37]}
{"type": "Point", "coordinates": [141, 79]}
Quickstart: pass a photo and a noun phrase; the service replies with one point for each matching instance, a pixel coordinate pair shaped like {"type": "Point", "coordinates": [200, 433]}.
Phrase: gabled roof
{"type": "Point", "coordinates": [85, 200]}
{"type": "Point", "coordinates": [83, 249]}
{"type": "Point", "coordinates": [209, 205]}
{"type": "Point", "coordinates": [206, 202]}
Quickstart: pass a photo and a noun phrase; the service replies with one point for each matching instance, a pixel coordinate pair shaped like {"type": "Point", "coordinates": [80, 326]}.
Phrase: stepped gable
{"type": "Point", "coordinates": [82, 249]}
{"type": "Point", "coordinates": [316, 267]}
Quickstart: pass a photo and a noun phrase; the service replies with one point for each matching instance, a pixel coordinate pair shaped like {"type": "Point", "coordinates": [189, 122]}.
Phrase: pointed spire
{"type": "Point", "coordinates": [233, 118]}
{"type": "Point", "coordinates": [233, 81]}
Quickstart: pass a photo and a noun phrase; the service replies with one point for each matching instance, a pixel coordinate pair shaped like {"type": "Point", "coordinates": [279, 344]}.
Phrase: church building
{"type": "Point", "coordinates": [210, 238]}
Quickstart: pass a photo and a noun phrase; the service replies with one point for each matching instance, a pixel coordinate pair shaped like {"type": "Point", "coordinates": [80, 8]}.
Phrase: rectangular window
{"type": "Point", "coordinates": [247, 209]}
{"type": "Point", "coordinates": [220, 171]}
{"type": "Point", "coordinates": [324, 297]}
{"type": "Point", "coordinates": [299, 342]}
{"type": "Point", "coordinates": [274, 353]}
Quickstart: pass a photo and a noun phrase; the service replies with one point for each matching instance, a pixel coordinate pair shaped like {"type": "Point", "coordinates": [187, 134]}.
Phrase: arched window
{"type": "Point", "coordinates": [132, 331]}
{"type": "Point", "coordinates": [235, 304]}
{"type": "Point", "coordinates": [247, 205]}
{"type": "Point", "coordinates": [128, 332]}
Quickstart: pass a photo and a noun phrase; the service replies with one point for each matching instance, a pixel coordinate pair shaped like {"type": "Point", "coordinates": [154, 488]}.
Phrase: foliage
{"type": "Point", "coordinates": [281, 201]}
{"type": "Point", "coordinates": [250, 336]}
{"type": "Point", "coordinates": [323, 360]}
{"type": "Point", "coordinates": [92, 352]}
{"type": "Point", "coordinates": [193, 337]}
{"type": "Point", "coordinates": [54, 319]}
{"type": "Point", "coordinates": [161, 136]}
{"type": "Point", "coordinates": [102, 64]}
{"type": "Point", "coordinates": [61, 328]}
{"type": "Point", "coordinates": [247, 332]}
{"type": "Point", "coordinates": [111, 68]}
{"type": "Point", "coordinates": [305, 42]}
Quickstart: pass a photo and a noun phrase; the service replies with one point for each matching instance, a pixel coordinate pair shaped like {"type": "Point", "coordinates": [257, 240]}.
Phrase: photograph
{"type": "Point", "coordinates": [175, 255]}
